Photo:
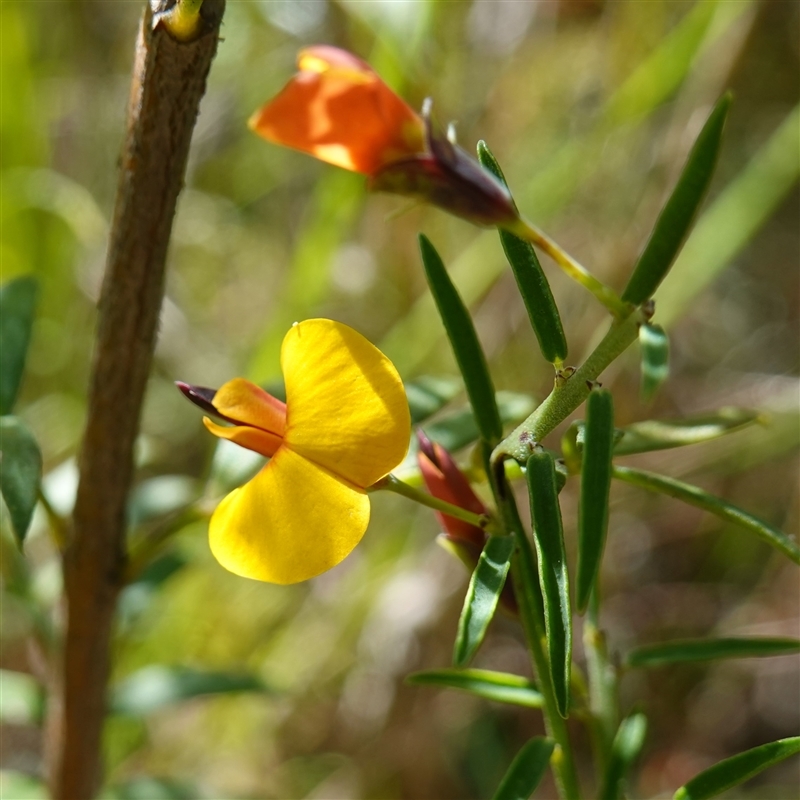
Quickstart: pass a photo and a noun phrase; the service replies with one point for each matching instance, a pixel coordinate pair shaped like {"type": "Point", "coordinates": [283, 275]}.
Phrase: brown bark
{"type": "Point", "coordinates": [168, 82]}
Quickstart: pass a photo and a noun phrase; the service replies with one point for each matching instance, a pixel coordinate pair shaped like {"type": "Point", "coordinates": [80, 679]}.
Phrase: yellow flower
{"type": "Point", "coordinates": [344, 426]}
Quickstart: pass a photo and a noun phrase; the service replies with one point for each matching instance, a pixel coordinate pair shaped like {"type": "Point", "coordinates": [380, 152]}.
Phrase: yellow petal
{"type": "Point", "coordinates": [291, 522]}
{"type": "Point", "coordinates": [244, 402]}
{"type": "Point", "coordinates": [252, 438]}
{"type": "Point", "coordinates": [346, 406]}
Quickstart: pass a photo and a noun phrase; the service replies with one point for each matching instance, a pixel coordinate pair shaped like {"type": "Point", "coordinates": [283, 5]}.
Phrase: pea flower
{"type": "Point", "coordinates": [337, 109]}
{"type": "Point", "coordinates": [345, 425]}
{"type": "Point", "coordinates": [446, 481]}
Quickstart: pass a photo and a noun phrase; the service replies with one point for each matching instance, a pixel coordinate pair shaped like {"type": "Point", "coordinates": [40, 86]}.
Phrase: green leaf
{"type": "Point", "coordinates": [158, 686]}
{"type": "Point", "coordinates": [465, 344]}
{"type": "Point", "coordinates": [654, 434]}
{"type": "Point", "coordinates": [682, 651]}
{"type": "Point", "coordinates": [654, 346]}
{"type": "Point", "coordinates": [20, 473]}
{"type": "Point", "coordinates": [526, 770]}
{"type": "Point", "coordinates": [428, 394]}
{"type": "Point", "coordinates": [695, 496]}
{"type": "Point", "coordinates": [531, 280]}
{"type": "Point", "coordinates": [501, 687]}
{"type": "Point", "coordinates": [460, 429]}
{"type": "Point", "coordinates": [21, 786]}
{"type": "Point", "coordinates": [482, 597]}
{"type": "Point", "coordinates": [626, 747]}
{"type": "Point", "coordinates": [595, 486]}
{"type": "Point", "coordinates": [676, 218]}
{"type": "Point", "coordinates": [548, 536]}
{"type": "Point", "coordinates": [737, 769]}
{"type": "Point", "coordinates": [17, 307]}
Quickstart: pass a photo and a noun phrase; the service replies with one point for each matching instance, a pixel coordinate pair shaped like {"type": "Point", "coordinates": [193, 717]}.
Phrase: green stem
{"type": "Point", "coordinates": [607, 296]}
{"type": "Point", "coordinates": [567, 396]}
{"type": "Point", "coordinates": [392, 484]}
{"type": "Point", "coordinates": [525, 578]}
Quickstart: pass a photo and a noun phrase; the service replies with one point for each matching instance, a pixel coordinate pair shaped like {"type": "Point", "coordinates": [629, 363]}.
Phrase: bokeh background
{"type": "Point", "coordinates": [591, 108]}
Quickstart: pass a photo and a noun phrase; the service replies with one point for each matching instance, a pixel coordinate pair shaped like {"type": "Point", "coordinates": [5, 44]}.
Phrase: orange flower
{"type": "Point", "coordinates": [338, 110]}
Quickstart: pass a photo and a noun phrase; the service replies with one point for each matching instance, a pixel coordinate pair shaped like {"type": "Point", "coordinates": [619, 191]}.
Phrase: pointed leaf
{"type": "Point", "coordinates": [17, 307]}
{"type": "Point", "coordinates": [465, 344]}
{"type": "Point", "coordinates": [737, 769]}
{"type": "Point", "coordinates": [482, 597]}
{"type": "Point", "coordinates": [428, 394]}
{"type": "Point", "coordinates": [595, 486]}
{"type": "Point", "coordinates": [548, 535]}
{"type": "Point", "coordinates": [157, 686]}
{"type": "Point", "coordinates": [20, 473]}
{"type": "Point", "coordinates": [695, 496]}
{"type": "Point", "coordinates": [654, 346]}
{"type": "Point", "coordinates": [459, 429]}
{"type": "Point", "coordinates": [626, 747]}
{"type": "Point", "coordinates": [501, 687]}
{"type": "Point", "coordinates": [676, 218]}
{"type": "Point", "coordinates": [531, 280]}
{"type": "Point", "coordinates": [656, 434]}
{"type": "Point", "coordinates": [682, 651]}
{"type": "Point", "coordinates": [526, 770]}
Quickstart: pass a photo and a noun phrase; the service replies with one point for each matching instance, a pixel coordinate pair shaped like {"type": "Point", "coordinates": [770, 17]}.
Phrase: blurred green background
{"type": "Point", "coordinates": [590, 107]}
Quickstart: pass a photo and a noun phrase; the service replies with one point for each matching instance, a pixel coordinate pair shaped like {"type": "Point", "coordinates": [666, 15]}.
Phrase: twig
{"type": "Point", "coordinates": [169, 80]}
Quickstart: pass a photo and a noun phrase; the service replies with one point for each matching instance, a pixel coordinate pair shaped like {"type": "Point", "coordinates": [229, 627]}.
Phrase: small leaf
{"type": "Point", "coordinates": [548, 535]}
{"type": "Point", "coordinates": [526, 770]}
{"type": "Point", "coordinates": [595, 486]}
{"type": "Point", "coordinates": [465, 344]}
{"type": "Point", "coordinates": [676, 218]}
{"type": "Point", "coordinates": [501, 687]}
{"type": "Point", "coordinates": [654, 434]}
{"type": "Point", "coordinates": [157, 686]}
{"type": "Point", "coordinates": [17, 307]}
{"type": "Point", "coordinates": [695, 496]}
{"type": "Point", "coordinates": [737, 769]}
{"type": "Point", "coordinates": [460, 429]}
{"type": "Point", "coordinates": [20, 473]}
{"type": "Point", "coordinates": [482, 597]}
{"type": "Point", "coordinates": [654, 346]}
{"type": "Point", "coordinates": [531, 280]}
{"type": "Point", "coordinates": [428, 394]}
{"type": "Point", "coordinates": [626, 747]}
{"type": "Point", "coordinates": [682, 651]}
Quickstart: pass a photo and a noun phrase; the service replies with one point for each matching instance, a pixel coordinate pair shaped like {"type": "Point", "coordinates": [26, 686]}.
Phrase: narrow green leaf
{"type": "Point", "coordinates": [737, 769]}
{"type": "Point", "coordinates": [654, 434]}
{"type": "Point", "coordinates": [428, 394]}
{"type": "Point", "coordinates": [499, 686]}
{"type": "Point", "coordinates": [482, 597]}
{"type": "Point", "coordinates": [20, 473]}
{"type": "Point", "coordinates": [548, 535]}
{"type": "Point", "coordinates": [17, 307]}
{"type": "Point", "coordinates": [459, 428]}
{"type": "Point", "coordinates": [531, 280]}
{"type": "Point", "coordinates": [157, 686]}
{"type": "Point", "coordinates": [654, 346]}
{"type": "Point", "coordinates": [680, 652]}
{"type": "Point", "coordinates": [695, 496]}
{"type": "Point", "coordinates": [526, 770]}
{"type": "Point", "coordinates": [465, 344]}
{"type": "Point", "coordinates": [676, 218]}
{"type": "Point", "coordinates": [595, 485]}
{"type": "Point", "coordinates": [624, 751]}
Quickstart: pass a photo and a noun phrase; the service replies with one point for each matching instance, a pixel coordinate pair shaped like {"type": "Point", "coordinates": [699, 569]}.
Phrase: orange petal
{"type": "Point", "coordinates": [252, 438]}
{"type": "Point", "coordinates": [347, 407]}
{"type": "Point", "coordinates": [291, 522]}
{"type": "Point", "coordinates": [242, 401]}
{"type": "Point", "coordinates": [338, 110]}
